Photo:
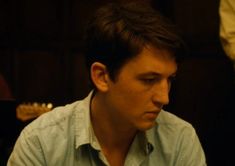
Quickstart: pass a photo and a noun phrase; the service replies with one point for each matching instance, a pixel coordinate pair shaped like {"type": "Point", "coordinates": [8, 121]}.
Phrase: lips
{"type": "Point", "coordinates": [157, 111]}
{"type": "Point", "coordinates": [152, 115]}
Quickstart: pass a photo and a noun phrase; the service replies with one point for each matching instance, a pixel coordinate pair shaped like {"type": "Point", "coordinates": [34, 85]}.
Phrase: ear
{"type": "Point", "coordinates": [99, 76]}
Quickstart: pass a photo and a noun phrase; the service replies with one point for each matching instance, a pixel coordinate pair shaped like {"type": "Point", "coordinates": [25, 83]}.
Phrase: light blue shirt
{"type": "Point", "coordinates": [65, 137]}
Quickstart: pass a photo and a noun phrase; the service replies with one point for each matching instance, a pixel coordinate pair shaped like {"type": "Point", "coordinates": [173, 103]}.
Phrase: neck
{"type": "Point", "coordinates": [105, 126]}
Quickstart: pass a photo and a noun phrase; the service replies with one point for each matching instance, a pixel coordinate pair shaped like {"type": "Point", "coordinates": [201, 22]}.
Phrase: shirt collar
{"type": "Point", "coordinates": [83, 130]}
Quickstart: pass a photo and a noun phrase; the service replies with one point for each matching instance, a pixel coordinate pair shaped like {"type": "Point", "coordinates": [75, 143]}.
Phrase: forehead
{"type": "Point", "coordinates": [151, 59]}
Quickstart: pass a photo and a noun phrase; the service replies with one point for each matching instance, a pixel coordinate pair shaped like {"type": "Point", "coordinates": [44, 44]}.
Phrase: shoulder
{"type": "Point", "coordinates": [179, 139]}
{"type": "Point", "coordinates": [168, 119]}
{"type": "Point", "coordinates": [60, 123]}
{"type": "Point", "coordinates": [176, 140]}
{"type": "Point", "coordinates": [59, 120]}
{"type": "Point", "coordinates": [43, 135]}
{"type": "Point", "coordinates": [39, 140]}
{"type": "Point", "coordinates": [172, 127]}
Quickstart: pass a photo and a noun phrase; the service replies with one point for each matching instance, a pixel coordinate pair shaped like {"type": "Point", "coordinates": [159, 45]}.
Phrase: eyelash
{"type": "Point", "coordinates": [150, 80]}
{"type": "Point", "coordinates": [154, 80]}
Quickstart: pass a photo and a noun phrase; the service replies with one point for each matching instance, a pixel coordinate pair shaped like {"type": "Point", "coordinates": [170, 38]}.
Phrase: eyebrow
{"type": "Point", "coordinates": [155, 74]}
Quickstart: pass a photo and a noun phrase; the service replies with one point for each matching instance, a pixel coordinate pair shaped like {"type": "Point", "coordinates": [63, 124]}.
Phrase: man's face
{"type": "Point", "coordinates": [141, 89]}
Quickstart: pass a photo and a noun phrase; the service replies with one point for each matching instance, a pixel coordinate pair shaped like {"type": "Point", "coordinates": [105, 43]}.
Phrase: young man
{"type": "Point", "coordinates": [132, 55]}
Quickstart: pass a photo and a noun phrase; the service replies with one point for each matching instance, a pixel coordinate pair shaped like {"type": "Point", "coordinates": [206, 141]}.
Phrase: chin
{"type": "Point", "coordinates": [146, 126]}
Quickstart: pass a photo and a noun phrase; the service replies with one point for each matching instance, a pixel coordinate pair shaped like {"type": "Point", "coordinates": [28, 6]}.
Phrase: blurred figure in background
{"type": "Point", "coordinates": [227, 28]}
{"type": "Point", "coordinates": [5, 92]}
{"type": "Point", "coordinates": [7, 132]}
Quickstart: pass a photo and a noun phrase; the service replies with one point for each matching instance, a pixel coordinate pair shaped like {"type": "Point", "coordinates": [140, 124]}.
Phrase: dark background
{"type": "Point", "coordinates": [41, 59]}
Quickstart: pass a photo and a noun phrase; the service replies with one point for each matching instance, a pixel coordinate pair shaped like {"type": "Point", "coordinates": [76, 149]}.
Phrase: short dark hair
{"type": "Point", "coordinates": [118, 32]}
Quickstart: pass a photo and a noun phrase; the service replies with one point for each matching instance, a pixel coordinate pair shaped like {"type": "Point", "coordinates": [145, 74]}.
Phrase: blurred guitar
{"type": "Point", "coordinates": [29, 111]}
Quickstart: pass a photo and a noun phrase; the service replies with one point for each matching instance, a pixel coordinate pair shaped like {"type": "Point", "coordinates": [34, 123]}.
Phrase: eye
{"type": "Point", "coordinates": [149, 81]}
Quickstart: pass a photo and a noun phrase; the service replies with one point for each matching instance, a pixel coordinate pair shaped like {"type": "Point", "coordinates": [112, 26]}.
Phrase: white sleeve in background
{"type": "Point", "coordinates": [227, 27]}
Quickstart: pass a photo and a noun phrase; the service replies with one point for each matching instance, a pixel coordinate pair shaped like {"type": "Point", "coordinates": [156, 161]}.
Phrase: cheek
{"type": "Point", "coordinates": [130, 94]}
{"type": "Point", "coordinates": [130, 99]}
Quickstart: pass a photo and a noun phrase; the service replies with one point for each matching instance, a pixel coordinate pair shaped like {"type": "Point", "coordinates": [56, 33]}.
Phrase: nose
{"type": "Point", "coordinates": [161, 93]}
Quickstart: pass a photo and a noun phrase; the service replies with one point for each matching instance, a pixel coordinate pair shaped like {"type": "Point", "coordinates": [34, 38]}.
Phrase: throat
{"type": "Point", "coordinates": [115, 149]}
{"type": "Point", "coordinates": [109, 130]}
{"type": "Point", "coordinates": [114, 138]}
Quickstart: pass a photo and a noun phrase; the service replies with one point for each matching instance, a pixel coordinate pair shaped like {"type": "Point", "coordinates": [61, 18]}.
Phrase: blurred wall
{"type": "Point", "coordinates": [41, 42]}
